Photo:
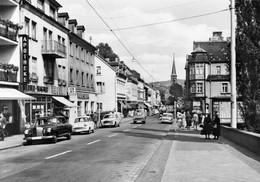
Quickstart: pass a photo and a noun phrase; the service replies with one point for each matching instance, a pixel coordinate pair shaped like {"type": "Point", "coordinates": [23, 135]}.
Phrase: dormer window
{"type": "Point", "coordinates": [52, 12]}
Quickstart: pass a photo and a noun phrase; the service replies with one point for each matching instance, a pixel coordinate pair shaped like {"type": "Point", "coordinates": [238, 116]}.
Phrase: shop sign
{"type": "Point", "coordinates": [57, 90]}
{"type": "Point", "coordinates": [196, 104]}
{"type": "Point", "coordinates": [25, 58]}
{"type": "Point", "coordinates": [82, 96]}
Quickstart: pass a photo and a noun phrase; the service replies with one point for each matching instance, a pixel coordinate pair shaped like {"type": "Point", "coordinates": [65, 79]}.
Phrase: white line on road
{"type": "Point", "coordinates": [58, 154]}
{"type": "Point", "coordinates": [126, 130]}
{"type": "Point", "coordinates": [113, 135]}
{"type": "Point", "coordinates": [137, 126]}
{"type": "Point", "coordinates": [93, 142]}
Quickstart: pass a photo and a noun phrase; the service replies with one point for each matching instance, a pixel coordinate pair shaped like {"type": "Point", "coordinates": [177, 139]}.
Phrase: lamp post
{"type": "Point", "coordinates": [233, 67]}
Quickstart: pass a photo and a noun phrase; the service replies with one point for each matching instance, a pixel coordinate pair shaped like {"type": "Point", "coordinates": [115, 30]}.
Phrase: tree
{"type": "Point", "coordinates": [106, 51]}
{"type": "Point", "coordinates": [248, 60]}
{"type": "Point", "coordinates": [176, 91]}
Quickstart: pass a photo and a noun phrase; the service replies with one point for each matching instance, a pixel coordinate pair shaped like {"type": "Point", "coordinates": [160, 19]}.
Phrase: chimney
{"type": "Point", "coordinates": [80, 31]}
{"type": "Point", "coordinates": [73, 25]}
{"type": "Point", "coordinates": [63, 19]}
{"type": "Point", "coordinates": [217, 36]}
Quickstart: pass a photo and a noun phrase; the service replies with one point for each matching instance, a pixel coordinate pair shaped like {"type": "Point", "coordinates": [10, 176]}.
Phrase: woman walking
{"type": "Point", "coordinates": [207, 126]}
{"type": "Point", "coordinates": [216, 127]}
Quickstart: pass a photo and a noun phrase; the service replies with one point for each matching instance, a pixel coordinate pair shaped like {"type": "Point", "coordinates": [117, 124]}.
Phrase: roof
{"type": "Point", "coordinates": [198, 50]}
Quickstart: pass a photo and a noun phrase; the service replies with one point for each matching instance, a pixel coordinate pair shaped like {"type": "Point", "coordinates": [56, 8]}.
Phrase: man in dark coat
{"type": "Point", "coordinates": [188, 120]}
{"type": "Point", "coordinates": [207, 126]}
{"type": "Point", "coordinates": [216, 127]}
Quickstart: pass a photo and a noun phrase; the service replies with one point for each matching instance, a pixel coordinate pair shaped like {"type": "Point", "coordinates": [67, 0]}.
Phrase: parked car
{"type": "Point", "coordinates": [48, 128]}
{"type": "Point", "coordinates": [139, 116]}
{"type": "Point", "coordinates": [83, 124]}
{"type": "Point", "coordinates": [111, 119]}
{"type": "Point", "coordinates": [167, 118]}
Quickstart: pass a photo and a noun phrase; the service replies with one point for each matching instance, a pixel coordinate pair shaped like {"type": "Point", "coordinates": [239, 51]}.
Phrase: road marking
{"type": "Point", "coordinates": [113, 135]}
{"type": "Point", "coordinates": [137, 126]}
{"type": "Point", "coordinates": [93, 142]}
{"type": "Point", "coordinates": [58, 154]}
{"type": "Point", "coordinates": [126, 130]}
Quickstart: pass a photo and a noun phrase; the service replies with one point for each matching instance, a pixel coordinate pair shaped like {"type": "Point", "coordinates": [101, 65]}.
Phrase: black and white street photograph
{"type": "Point", "coordinates": [129, 90]}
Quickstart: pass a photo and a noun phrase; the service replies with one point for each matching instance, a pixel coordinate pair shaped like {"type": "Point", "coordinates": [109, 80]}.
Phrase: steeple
{"type": "Point", "coordinates": [174, 74]}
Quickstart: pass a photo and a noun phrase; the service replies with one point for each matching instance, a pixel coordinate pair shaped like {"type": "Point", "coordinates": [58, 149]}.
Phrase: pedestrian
{"type": "Point", "coordinates": [195, 119]}
{"type": "Point", "coordinates": [2, 126]}
{"type": "Point", "coordinates": [207, 128]}
{"type": "Point", "coordinates": [216, 127]}
{"type": "Point", "coordinates": [95, 120]}
{"type": "Point", "coordinates": [188, 120]}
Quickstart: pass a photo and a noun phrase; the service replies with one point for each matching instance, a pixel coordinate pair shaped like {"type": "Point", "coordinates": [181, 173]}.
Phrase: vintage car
{"type": "Point", "coordinates": [48, 128]}
{"type": "Point", "coordinates": [83, 124]}
{"type": "Point", "coordinates": [167, 118]}
{"type": "Point", "coordinates": [139, 116]}
{"type": "Point", "coordinates": [111, 119]}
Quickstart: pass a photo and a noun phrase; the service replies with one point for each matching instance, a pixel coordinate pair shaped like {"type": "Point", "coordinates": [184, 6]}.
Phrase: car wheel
{"type": "Point", "coordinates": [118, 125]}
{"type": "Point", "coordinates": [89, 131]}
{"type": "Point", "coordinates": [69, 136]}
{"type": "Point", "coordinates": [29, 142]}
{"type": "Point", "coordinates": [115, 124]}
{"type": "Point", "coordinates": [93, 131]}
{"type": "Point", "coordinates": [54, 140]}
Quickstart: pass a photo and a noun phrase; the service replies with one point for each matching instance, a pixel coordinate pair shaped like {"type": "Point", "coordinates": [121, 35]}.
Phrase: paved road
{"type": "Point", "coordinates": [110, 154]}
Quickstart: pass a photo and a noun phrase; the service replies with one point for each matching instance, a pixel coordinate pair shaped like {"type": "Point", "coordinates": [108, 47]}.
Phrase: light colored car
{"type": "Point", "coordinates": [139, 116]}
{"type": "Point", "coordinates": [111, 119]}
{"type": "Point", "coordinates": [83, 124]}
{"type": "Point", "coordinates": [167, 118]}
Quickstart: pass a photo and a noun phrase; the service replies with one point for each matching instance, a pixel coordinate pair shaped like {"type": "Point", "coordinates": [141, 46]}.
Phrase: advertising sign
{"type": "Point", "coordinates": [25, 58]}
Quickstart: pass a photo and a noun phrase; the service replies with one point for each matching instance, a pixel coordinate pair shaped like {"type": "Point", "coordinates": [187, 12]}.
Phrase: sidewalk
{"type": "Point", "coordinates": [17, 140]}
{"type": "Point", "coordinates": [192, 158]}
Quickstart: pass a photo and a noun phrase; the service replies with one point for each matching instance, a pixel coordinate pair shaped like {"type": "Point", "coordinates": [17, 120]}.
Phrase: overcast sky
{"type": "Point", "coordinates": [152, 46]}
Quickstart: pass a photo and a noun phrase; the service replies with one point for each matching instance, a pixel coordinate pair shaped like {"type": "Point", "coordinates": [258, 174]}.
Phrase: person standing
{"type": "Point", "coordinates": [207, 126]}
{"type": "Point", "coordinates": [216, 127]}
{"type": "Point", "coordinates": [195, 119]}
{"type": "Point", "coordinates": [2, 126]}
{"type": "Point", "coordinates": [95, 120]}
{"type": "Point", "coordinates": [188, 120]}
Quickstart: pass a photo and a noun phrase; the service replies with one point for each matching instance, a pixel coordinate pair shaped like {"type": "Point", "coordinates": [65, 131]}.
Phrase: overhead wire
{"type": "Point", "coordinates": [119, 39]}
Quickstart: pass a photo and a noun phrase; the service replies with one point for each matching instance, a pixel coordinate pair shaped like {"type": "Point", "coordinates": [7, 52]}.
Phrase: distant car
{"type": "Point", "coordinates": [83, 124]}
{"type": "Point", "coordinates": [139, 116]}
{"type": "Point", "coordinates": [167, 118]}
{"type": "Point", "coordinates": [48, 128]}
{"type": "Point", "coordinates": [111, 119]}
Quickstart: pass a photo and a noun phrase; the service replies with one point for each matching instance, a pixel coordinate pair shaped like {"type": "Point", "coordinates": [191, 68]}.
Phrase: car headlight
{"type": "Point", "coordinates": [49, 130]}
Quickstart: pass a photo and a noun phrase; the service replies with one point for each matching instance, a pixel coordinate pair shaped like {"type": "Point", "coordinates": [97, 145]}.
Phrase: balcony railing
{"type": "Point", "coordinates": [8, 76]}
{"type": "Point", "coordinates": [7, 31]}
{"type": "Point", "coordinates": [53, 48]}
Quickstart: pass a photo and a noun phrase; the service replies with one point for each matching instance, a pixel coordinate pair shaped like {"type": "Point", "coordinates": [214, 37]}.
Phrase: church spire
{"type": "Point", "coordinates": [174, 74]}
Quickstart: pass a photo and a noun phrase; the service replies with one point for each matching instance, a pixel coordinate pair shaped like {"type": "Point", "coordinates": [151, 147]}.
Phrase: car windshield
{"type": "Point", "coordinates": [79, 120]}
{"type": "Point", "coordinates": [167, 115]}
{"type": "Point", "coordinates": [139, 113]}
{"type": "Point", "coordinates": [47, 121]}
{"type": "Point", "coordinates": [109, 116]}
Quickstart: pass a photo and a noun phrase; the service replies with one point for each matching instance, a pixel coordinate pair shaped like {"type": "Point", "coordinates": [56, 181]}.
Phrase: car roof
{"type": "Point", "coordinates": [83, 117]}
{"type": "Point", "coordinates": [49, 117]}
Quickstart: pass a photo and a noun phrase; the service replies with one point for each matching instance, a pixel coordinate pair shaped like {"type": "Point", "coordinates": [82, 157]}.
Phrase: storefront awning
{"type": "Point", "coordinates": [147, 104]}
{"type": "Point", "coordinates": [13, 94]}
{"type": "Point", "coordinates": [64, 101]}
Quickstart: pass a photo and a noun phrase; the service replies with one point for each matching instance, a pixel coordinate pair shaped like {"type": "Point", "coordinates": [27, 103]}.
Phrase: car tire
{"type": "Point", "coordinates": [89, 131]}
{"type": "Point", "coordinates": [29, 142]}
{"type": "Point", "coordinates": [54, 140]}
{"type": "Point", "coordinates": [115, 125]}
{"type": "Point", "coordinates": [93, 131]}
{"type": "Point", "coordinates": [69, 136]}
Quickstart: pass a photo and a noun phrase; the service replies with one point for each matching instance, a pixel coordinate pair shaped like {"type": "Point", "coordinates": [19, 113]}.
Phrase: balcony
{"type": "Point", "coordinates": [8, 32]}
{"type": "Point", "coordinates": [53, 48]}
{"type": "Point", "coordinates": [8, 73]}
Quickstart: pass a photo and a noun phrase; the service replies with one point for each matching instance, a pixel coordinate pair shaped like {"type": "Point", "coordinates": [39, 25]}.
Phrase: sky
{"type": "Point", "coordinates": [147, 34]}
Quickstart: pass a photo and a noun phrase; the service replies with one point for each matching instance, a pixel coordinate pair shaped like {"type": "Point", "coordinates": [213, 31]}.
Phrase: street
{"type": "Point", "coordinates": [125, 153]}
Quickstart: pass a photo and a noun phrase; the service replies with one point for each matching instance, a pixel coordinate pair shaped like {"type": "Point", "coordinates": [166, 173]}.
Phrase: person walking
{"type": "Point", "coordinates": [195, 119]}
{"type": "Point", "coordinates": [207, 126]}
{"type": "Point", "coordinates": [2, 126]}
{"type": "Point", "coordinates": [95, 120]}
{"type": "Point", "coordinates": [188, 120]}
{"type": "Point", "coordinates": [216, 127]}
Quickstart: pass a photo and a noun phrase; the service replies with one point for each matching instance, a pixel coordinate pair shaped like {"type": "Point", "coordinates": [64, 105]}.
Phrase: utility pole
{"type": "Point", "coordinates": [233, 67]}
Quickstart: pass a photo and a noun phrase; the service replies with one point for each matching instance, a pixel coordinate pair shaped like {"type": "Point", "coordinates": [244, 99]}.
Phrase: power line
{"type": "Point", "coordinates": [169, 21]}
{"type": "Point", "coordinates": [118, 39]}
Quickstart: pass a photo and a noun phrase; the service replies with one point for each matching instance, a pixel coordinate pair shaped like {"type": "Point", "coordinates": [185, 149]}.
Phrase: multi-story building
{"type": "Point", "coordinates": [208, 78]}
{"type": "Point", "coordinates": [105, 85]}
{"type": "Point", "coordinates": [11, 100]}
{"type": "Point", "coordinates": [81, 72]}
{"type": "Point", "coordinates": [44, 69]}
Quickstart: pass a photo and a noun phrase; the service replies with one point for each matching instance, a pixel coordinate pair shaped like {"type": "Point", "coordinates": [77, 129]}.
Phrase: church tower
{"type": "Point", "coordinates": [174, 74]}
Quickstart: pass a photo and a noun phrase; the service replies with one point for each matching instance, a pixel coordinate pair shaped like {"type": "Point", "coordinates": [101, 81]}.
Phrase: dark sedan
{"type": "Point", "coordinates": [48, 128]}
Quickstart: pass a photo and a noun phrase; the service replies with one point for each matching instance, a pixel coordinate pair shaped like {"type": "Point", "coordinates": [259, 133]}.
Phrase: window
{"type": "Point", "coordinates": [33, 30]}
{"type": "Point", "coordinates": [98, 70]}
{"type": "Point", "coordinates": [34, 65]}
{"type": "Point", "coordinates": [77, 76]}
{"type": "Point", "coordinates": [193, 88]}
{"type": "Point", "coordinates": [27, 26]}
{"type": "Point", "coordinates": [48, 65]}
{"type": "Point", "coordinates": [71, 75]}
{"type": "Point", "coordinates": [52, 12]}
{"type": "Point", "coordinates": [77, 50]}
{"type": "Point", "coordinates": [91, 80]}
{"type": "Point", "coordinates": [82, 54]}
{"type": "Point", "coordinates": [87, 81]}
{"type": "Point", "coordinates": [218, 70]}
{"type": "Point", "coordinates": [82, 78]}
{"type": "Point", "coordinates": [71, 49]}
{"type": "Point", "coordinates": [224, 87]}
{"type": "Point", "coordinates": [63, 41]}
{"type": "Point", "coordinates": [40, 4]}
{"type": "Point", "coordinates": [59, 39]}
{"type": "Point", "coordinates": [199, 88]}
